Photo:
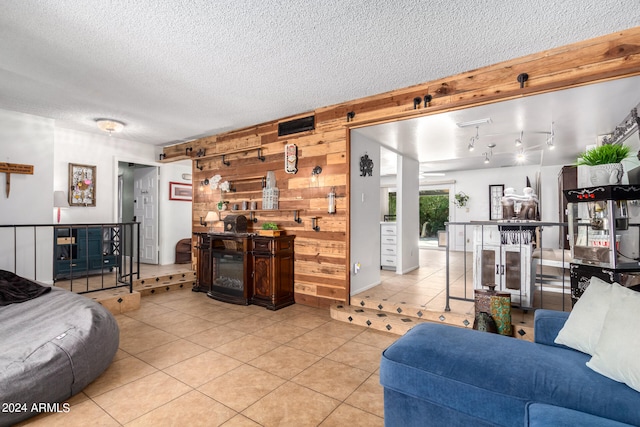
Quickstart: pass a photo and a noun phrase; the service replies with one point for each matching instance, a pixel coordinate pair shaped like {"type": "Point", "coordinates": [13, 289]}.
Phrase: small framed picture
{"type": "Point", "coordinates": [495, 202]}
{"type": "Point", "coordinates": [180, 191]}
{"type": "Point", "coordinates": [82, 185]}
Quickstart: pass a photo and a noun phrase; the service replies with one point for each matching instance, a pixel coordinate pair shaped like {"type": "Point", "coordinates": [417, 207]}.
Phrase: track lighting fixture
{"type": "Point", "coordinates": [550, 139]}
{"type": "Point", "coordinates": [472, 143]}
{"type": "Point", "coordinates": [519, 140]}
{"type": "Point", "coordinates": [489, 154]}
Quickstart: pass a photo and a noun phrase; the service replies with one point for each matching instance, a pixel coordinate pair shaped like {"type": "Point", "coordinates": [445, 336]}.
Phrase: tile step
{"type": "Point", "coordinates": [398, 318]}
{"type": "Point", "coordinates": [374, 319]}
{"type": "Point", "coordinates": [165, 279]}
{"type": "Point", "coordinates": [117, 301]}
{"type": "Point", "coordinates": [154, 285]}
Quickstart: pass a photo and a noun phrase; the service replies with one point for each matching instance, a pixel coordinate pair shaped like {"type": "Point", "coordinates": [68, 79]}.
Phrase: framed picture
{"type": "Point", "coordinates": [495, 205]}
{"type": "Point", "coordinates": [82, 185]}
{"type": "Point", "coordinates": [180, 191]}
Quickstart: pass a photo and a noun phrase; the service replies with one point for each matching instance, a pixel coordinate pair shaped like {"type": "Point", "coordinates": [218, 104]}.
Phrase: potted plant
{"type": "Point", "coordinates": [604, 163]}
{"type": "Point", "coordinates": [461, 199]}
{"type": "Point", "coordinates": [269, 229]}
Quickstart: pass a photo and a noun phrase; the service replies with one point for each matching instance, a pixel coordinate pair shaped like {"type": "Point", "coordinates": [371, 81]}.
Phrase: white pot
{"type": "Point", "coordinates": [608, 174]}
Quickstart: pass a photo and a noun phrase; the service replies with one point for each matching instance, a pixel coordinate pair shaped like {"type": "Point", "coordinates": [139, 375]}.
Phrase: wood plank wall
{"type": "Point", "coordinates": [322, 258]}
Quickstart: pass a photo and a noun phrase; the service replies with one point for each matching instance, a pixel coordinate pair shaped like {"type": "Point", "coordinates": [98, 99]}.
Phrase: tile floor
{"type": "Point", "coordinates": [186, 359]}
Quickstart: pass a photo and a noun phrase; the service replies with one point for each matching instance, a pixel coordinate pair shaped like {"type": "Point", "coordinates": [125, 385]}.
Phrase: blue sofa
{"type": "Point", "coordinates": [447, 376]}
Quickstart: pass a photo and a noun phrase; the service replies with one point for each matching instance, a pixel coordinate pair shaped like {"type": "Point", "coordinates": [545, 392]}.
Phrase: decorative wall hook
{"type": "Point", "coordinates": [427, 100]}
{"type": "Point", "coordinates": [198, 165]}
{"type": "Point", "coordinates": [314, 224]}
{"type": "Point", "coordinates": [163, 156]}
{"type": "Point", "coordinates": [523, 77]}
{"type": "Point", "coordinates": [350, 115]}
{"type": "Point", "coordinates": [188, 150]}
{"type": "Point", "coordinates": [202, 222]}
{"type": "Point", "coordinates": [416, 102]}
{"type": "Point", "coordinates": [225, 162]}
{"type": "Point", "coordinates": [252, 217]}
{"type": "Point", "coordinates": [201, 152]}
{"type": "Point", "coordinates": [296, 217]}
{"type": "Point", "coordinates": [260, 156]}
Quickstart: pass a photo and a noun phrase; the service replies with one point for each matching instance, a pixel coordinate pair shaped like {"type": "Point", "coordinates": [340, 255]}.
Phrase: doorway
{"type": "Point", "coordinates": [138, 202]}
{"type": "Point", "coordinates": [434, 203]}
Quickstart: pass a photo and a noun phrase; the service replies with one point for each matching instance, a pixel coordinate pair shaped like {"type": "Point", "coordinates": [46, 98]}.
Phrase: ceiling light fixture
{"type": "Point", "coordinates": [472, 143]}
{"type": "Point", "coordinates": [520, 157]}
{"type": "Point", "coordinates": [475, 123]}
{"type": "Point", "coordinates": [519, 140]}
{"type": "Point", "coordinates": [109, 125]}
{"type": "Point", "coordinates": [550, 139]}
{"type": "Point", "coordinates": [489, 154]}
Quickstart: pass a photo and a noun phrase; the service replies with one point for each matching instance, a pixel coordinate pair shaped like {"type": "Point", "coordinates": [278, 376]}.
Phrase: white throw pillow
{"type": "Point", "coordinates": [616, 355]}
{"type": "Point", "coordinates": [582, 329]}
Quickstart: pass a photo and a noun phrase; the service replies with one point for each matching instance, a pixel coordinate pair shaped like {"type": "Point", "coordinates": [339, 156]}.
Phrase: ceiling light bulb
{"type": "Point", "coordinates": [486, 158]}
{"type": "Point", "coordinates": [520, 157]}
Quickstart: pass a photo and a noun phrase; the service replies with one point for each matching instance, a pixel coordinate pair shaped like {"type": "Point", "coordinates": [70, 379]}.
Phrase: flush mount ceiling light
{"type": "Point", "coordinates": [109, 125]}
{"type": "Point", "coordinates": [475, 123]}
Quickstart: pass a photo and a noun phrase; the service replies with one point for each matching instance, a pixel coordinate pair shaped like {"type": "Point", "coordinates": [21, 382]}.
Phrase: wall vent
{"type": "Point", "coordinates": [297, 125]}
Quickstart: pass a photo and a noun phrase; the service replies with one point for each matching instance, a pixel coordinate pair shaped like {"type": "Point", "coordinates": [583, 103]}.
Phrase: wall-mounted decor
{"type": "Point", "coordinates": [495, 202]}
{"type": "Point", "coordinates": [82, 185]}
{"type": "Point", "coordinates": [180, 191]}
{"type": "Point", "coordinates": [291, 158]}
{"type": "Point", "coordinates": [366, 166]}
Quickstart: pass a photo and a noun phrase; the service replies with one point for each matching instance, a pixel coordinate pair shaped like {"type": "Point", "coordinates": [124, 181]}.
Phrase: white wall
{"type": "Point", "coordinates": [408, 215]}
{"type": "Point", "coordinates": [365, 222]}
{"type": "Point", "coordinates": [26, 139]}
{"type": "Point", "coordinates": [174, 215]}
{"type": "Point", "coordinates": [33, 140]}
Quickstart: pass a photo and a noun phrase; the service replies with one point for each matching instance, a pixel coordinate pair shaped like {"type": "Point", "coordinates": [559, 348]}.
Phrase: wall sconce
{"type": "Point", "coordinates": [331, 198]}
{"type": "Point", "coordinates": [296, 217]}
{"type": "Point", "coordinates": [314, 224]}
{"type": "Point", "coordinates": [60, 202]}
{"type": "Point", "coordinates": [314, 175]}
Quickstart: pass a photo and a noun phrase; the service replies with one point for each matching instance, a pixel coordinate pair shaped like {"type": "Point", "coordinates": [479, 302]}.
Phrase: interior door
{"type": "Point", "coordinates": [145, 210]}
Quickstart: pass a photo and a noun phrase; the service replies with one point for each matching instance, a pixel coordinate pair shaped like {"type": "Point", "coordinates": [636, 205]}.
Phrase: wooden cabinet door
{"type": "Point", "coordinates": [262, 276]}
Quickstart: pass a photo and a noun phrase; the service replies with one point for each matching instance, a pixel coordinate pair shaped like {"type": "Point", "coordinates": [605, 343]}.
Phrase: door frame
{"type": "Point", "coordinates": [141, 162]}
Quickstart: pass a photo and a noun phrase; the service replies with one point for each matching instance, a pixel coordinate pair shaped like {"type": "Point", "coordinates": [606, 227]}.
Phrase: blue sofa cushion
{"type": "Point", "coordinates": [541, 415]}
{"type": "Point", "coordinates": [493, 377]}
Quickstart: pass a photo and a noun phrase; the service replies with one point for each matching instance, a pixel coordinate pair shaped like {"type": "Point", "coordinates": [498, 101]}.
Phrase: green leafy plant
{"type": "Point", "coordinates": [269, 226]}
{"type": "Point", "coordinates": [461, 199]}
{"type": "Point", "coordinates": [604, 154]}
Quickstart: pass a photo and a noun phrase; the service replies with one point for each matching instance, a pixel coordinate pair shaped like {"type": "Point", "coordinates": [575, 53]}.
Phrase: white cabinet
{"type": "Point", "coordinates": [388, 245]}
{"type": "Point", "coordinates": [508, 264]}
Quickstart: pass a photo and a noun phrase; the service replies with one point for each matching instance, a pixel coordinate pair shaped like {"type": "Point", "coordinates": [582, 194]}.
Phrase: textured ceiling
{"type": "Point", "coordinates": [175, 70]}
